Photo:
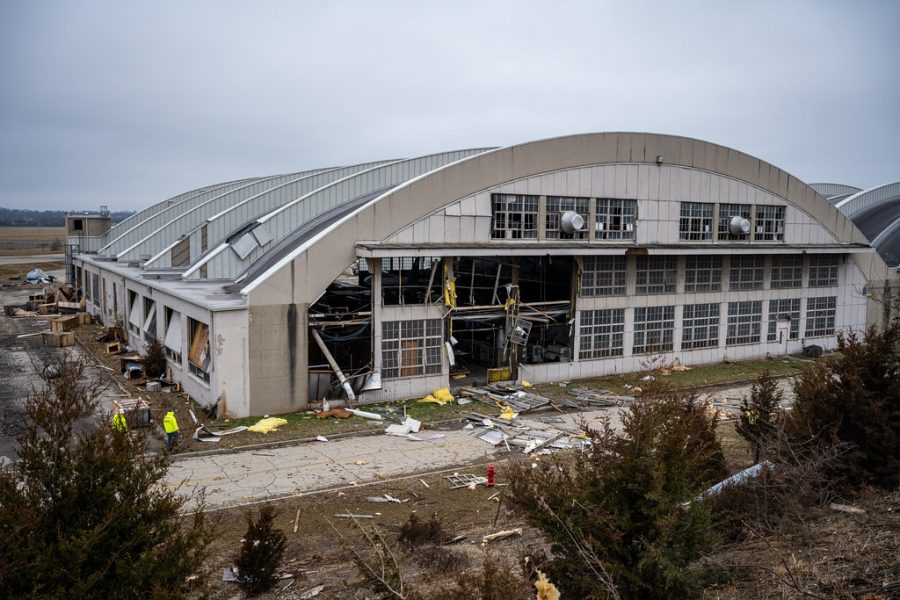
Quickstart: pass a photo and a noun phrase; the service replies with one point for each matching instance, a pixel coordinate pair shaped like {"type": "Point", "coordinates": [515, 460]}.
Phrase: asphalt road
{"type": "Point", "coordinates": [34, 258]}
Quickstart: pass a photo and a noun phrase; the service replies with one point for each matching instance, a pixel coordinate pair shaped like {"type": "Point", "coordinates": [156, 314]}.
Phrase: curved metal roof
{"type": "Point", "coordinates": [867, 198]}
{"type": "Point", "coordinates": [876, 212]}
{"type": "Point", "coordinates": [833, 190]}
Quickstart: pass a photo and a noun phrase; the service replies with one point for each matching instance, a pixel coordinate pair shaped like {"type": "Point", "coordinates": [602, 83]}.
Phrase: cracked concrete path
{"type": "Point", "coordinates": [248, 476]}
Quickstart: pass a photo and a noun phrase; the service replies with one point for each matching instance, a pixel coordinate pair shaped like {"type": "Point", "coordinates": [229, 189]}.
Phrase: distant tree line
{"type": "Point", "coordinates": [19, 217]}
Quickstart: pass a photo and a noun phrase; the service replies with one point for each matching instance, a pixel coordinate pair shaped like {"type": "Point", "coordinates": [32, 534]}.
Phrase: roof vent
{"type": "Point", "coordinates": [739, 226]}
{"type": "Point", "coordinates": [570, 222]}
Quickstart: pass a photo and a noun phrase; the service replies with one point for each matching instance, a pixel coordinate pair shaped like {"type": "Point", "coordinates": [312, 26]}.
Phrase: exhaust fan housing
{"type": "Point", "coordinates": [739, 226]}
{"type": "Point", "coordinates": [571, 221]}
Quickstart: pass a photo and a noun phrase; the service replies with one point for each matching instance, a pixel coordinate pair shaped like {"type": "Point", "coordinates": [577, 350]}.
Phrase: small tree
{"type": "Point", "coordinates": [261, 551]}
{"type": "Point", "coordinates": [854, 398]}
{"type": "Point", "coordinates": [759, 412]}
{"type": "Point", "coordinates": [154, 359]}
{"type": "Point", "coordinates": [83, 514]}
{"type": "Point", "coordinates": [615, 516]}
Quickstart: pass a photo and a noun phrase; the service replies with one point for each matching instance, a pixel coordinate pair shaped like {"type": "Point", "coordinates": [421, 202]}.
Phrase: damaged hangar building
{"type": "Point", "coordinates": [552, 260]}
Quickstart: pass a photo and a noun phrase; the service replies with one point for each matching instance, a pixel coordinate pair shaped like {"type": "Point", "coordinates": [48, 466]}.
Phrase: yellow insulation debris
{"type": "Point", "coordinates": [268, 424]}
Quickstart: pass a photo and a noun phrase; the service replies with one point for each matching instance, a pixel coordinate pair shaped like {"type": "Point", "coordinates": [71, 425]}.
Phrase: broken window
{"type": "Point", "coordinates": [726, 213]}
{"type": "Point", "coordinates": [173, 340]}
{"type": "Point", "coordinates": [556, 207]}
{"type": "Point", "coordinates": [787, 271]}
{"type": "Point", "coordinates": [823, 270]}
{"type": "Point", "coordinates": [198, 355]}
{"type": "Point", "coordinates": [603, 276]}
{"type": "Point", "coordinates": [410, 280]}
{"type": "Point", "coordinates": [149, 318]}
{"type": "Point", "coordinates": [703, 274]}
{"type": "Point", "coordinates": [655, 275]}
{"type": "Point", "coordinates": [769, 225]}
{"type": "Point", "coordinates": [696, 221]}
{"type": "Point", "coordinates": [654, 329]}
{"type": "Point", "coordinates": [515, 216]}
{"type": "Point", "coordinates": [744, 323]}
{"type": "Point", "coordinates": [614, 219]}
{"type": "Point", "coordinates": [95, 286]}
{"type": "Point", "coordinates": [780, 310]}
{"type": "Point", "coordinates": [700, 326]}
{"type": "Point", "coordinates": [820, 316]}
{"type": "Point", "coordinates": [134, 313]}
{"type": "Point", "coordinates": [411, 348]}
{"type": "Point", "coordinates": [601, 333]}
{"type": "Point", "coordinates": [747, 272]}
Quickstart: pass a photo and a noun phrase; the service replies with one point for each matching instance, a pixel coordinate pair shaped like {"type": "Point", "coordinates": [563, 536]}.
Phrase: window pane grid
{"type": "Point", "coordinates": [820, 316]}
{"type": "Point", "coordinates": [744, 322]}
{"type": "Point", "coordinates": [700, 326]}
{"type": "Point", "coordinates": [556, 205]}
{"type": "Point", "coordinates": [747, 272]}
{"type": "Point", "coordinates": [655, 275]}
{"type": "Point", "coordinates": [602, 333]}
{"type": "Point", "coordinates": [410, 348]}
{"type": "Point", "coordinates": [603, 276]}
{"type": "Point", "coordinates": [823, 270]}
{"type": "Point", "coordinates": [726, 213]}
{"type": "Point", "coordinates": [703, 274]}
{"type": "Point", "coordinates": [614, 219]}
{"type": "Point", "coordinates": [696, 221]}
{"type": "Point", "coordinates": [654, 328]}
{"type": "Point", "coordinates": [787, 271]}
{"type": "Point", "coordinates": [514, 216]}
{"type": "Point", "coordinates": [769, 223]}
{"type": "Point", "coordinates": [780, 310]}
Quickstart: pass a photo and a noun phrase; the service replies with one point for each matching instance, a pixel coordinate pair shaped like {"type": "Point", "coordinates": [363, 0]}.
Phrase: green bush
{"type": "Point", "coordinates": [261, 551]}
{"type": "Point", "coordinates": [83, 515]}
{"type": "Point", "coordinates": [854, 398]}
{"type": "Point", "coordinates": [616, 515]}
{"type": "Point", "coordinates": [155, 359]}
{"type": "Point", "coordinates": [759, 413]}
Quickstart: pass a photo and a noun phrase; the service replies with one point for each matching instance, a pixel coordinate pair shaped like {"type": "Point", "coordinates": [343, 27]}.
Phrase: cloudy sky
{"type": "Point", "coordinates": [128, 103]}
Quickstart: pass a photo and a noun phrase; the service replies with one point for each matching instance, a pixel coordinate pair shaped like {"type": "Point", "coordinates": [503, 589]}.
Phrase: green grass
{"type": "Point", "coordinates": [698, 376]}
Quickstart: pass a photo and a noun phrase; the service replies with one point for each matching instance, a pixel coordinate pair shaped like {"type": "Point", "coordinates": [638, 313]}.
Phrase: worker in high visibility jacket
{"type": "Point", "coordinates": [118, 421]}
{"type": "Point", "coordinates": [171, 427]}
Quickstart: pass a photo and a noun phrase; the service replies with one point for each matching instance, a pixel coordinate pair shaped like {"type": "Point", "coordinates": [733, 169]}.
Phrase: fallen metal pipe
{"type": "Point", "coordinates": [345, 383]}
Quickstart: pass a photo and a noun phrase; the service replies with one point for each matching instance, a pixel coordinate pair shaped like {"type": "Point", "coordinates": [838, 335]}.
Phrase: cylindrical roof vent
{"type": "Point", "coordinates": [571, 221]}
{"type": "Point", "coordinates": [739, 226]}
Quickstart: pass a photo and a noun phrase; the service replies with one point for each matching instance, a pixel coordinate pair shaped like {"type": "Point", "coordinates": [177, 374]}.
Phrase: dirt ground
{"type": "Point", "coordinates": [15, 241]}
{"type": "Point", "coordinates": [830, 554]}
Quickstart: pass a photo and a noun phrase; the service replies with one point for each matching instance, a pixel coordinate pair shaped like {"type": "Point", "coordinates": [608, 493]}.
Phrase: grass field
{"type": "Point", "coordinates": [17, 241]}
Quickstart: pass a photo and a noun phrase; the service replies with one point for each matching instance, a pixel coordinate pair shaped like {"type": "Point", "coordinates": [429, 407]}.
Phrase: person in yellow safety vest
{"type": "Point", "coordinates": [171, 427]}
{"type": "Point", "coordinates": [119, 421]}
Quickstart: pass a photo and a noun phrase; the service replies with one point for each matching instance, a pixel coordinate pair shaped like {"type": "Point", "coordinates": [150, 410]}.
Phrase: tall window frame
{"type": "Point", "coordinates": [555, 206]}
{"type": "Point", "coordinates": [601, 333]}
{"type": "Point", "coordinates": [514, 216]}
{"type": "Point", "coordinates": [654, 329]}
{"type": "Point", "coordinates": [700, 325]}
{"type": "Point", "coordinates": [614, 218]}
{"type": "Point", "coordinates": [696, 223]}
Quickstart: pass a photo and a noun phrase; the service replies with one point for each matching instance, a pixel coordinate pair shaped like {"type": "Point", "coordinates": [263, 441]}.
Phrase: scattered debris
{"type": "Point", "coordinates": [321, 438]}
{"type": "Point", "coordinates": [845, 508]}
{"type": "Point", "coordinates": [425, 483]}
{"type": "Point", "coordinates": [460, 481]}
{"type": "Point", "coordinates": [737, 478]}
{"type": "Point", "coordinates": [204, 434]}
{"type": "Point", "coordinates": [501, 535]}
{"type": "Point", "coordinates": [365, 415]}
{"type": "Point", "coordinates": [384, 498]}
{"type": "Point", "coordinates": [337, 413]}
{"type": "Point", "coordinates": [312, 592]}
{"type": "Point", "coordinates": [268, 424]}
{"type": "Point", "coordinates": [352, 516]}
{"type": "Point", "coordinates": [38, 276]}
{"type": "Point", "coordinates": [297, 521]}
{"type": "Point", "coordinates": [408, 426]}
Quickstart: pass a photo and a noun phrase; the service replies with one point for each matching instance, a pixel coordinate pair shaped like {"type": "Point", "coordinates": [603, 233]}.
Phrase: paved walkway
{"type": "Point", "coordinates": [248, 476]}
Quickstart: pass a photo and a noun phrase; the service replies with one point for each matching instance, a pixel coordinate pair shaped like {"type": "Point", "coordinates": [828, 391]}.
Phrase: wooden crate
{"type": "Point", "coordinates": [64, 323]}
{"type": "Point", "coordinates": [84, 318]}
{"type": "Point", "coordinates": [58, 339]}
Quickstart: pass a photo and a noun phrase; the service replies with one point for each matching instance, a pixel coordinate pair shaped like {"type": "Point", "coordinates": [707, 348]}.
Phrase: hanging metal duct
{"type": "Point", "coordinates": [739, 226]}
{"type": "Point", "coordinates": [571, 221]}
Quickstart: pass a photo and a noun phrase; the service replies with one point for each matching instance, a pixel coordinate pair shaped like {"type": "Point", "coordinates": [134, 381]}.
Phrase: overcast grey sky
{"type": "Point", "coordinates": [128, 103]}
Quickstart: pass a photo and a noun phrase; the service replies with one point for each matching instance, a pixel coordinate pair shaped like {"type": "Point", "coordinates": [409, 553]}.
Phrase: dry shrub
{"type": "Point", "coordinates": [440, 559]}
{"type": "Point", "coordinates": [416, 533]}
{"type": "Point", "coordinates": [497, 578]}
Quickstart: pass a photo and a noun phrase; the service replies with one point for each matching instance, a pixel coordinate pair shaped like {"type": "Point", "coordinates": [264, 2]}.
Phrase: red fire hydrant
{"type": "Point", "coordinates": [490, 474]}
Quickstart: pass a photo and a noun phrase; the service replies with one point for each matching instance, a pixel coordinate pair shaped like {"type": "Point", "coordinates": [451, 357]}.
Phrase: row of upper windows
{"type": "Point", "coordinates": [606, 275]}
{"type": "Point", "coordinates": [518, 216]}
{"type": "Point", "coordinates": [706, 221]}
{"type": "Point", "coordinates": [602, 332]}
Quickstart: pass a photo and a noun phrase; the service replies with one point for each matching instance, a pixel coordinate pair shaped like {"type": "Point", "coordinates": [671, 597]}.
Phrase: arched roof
{"type": "Point", "coordinates": [834, 191]}
{"type": "Point", "coordinates": [868, 198]}
{"type": "Point", "coordinates": [319, 258]}
{"type": "Point", "coordinates": [876, 211]}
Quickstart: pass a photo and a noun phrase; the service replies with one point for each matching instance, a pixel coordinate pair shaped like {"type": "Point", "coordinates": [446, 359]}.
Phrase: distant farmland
{"type": "Point", "coordinates": [32, 240]}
